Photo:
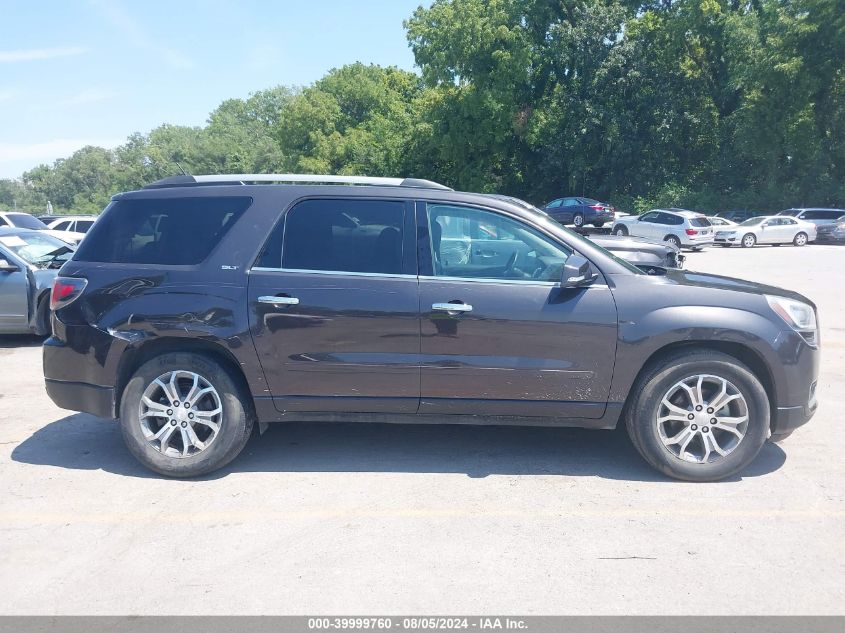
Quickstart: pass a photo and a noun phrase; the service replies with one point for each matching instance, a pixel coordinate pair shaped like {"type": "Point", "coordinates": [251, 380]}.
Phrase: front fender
{"type": "Point", "coordinates": [642, 336]}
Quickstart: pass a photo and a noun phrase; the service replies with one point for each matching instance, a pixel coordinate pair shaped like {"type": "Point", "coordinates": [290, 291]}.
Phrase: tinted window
{"type": "Point", "coordinates": [356, 236]}
{"type": "Point", "coordinates": [25, 221]}
{"type": "Point", "coordinates": [570, 202]}
{"type": "Point", "coordinates": [171, 231]}
{"type": "Point", "coordinates": [3, 222]}
{"type": "Point", "coordinates": [820, 215]}
{"type": "Point", "coordinates": [478, 244]}
{"type": "Point", "coordinates": [700, 222]}
{"type": "Point", "coordinates": [62, 226]}
{"type": "Point", "coordinates": [650, 217]}
{"type": "Point", "coordinates": [82, 226]}
{"type": "Point", "coordinates": [554, 204]}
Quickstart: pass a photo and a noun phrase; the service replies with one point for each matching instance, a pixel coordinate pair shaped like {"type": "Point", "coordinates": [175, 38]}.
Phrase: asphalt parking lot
{"type": "Point", "coordinates": [344, 519]}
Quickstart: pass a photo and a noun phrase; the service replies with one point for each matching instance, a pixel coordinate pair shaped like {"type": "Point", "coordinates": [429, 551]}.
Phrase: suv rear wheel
{"type": "Point", "coordinates": [183, 415]}
{"type": "Point", "coordinates": [698, 416]}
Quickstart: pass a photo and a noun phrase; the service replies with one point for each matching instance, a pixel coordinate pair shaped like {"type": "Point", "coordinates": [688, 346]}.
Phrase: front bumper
{"type": "Point", "coordinates": [795, 383]}
{"type": "Point", "coordinates": [831, 236]}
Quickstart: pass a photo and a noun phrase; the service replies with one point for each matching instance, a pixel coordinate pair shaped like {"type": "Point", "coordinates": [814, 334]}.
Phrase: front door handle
{"type": "Point", "coordinates": [451, 307]}
{"type": "Point", "coordinates": [280, 301]}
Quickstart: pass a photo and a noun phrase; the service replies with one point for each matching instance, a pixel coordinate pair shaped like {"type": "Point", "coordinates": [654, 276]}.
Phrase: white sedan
{"type": "Point", "coordinates": [767, 229]}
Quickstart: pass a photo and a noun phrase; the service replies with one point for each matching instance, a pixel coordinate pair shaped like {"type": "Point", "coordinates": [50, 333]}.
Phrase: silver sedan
{"type": "Point", "coordinates": [29, 261]}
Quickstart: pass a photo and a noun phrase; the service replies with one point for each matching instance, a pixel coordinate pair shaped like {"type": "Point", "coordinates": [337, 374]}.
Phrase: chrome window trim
{"type": "Point", "coordinates": [344, 273]}
{"type": "Point", "coordinates": [532, 282]}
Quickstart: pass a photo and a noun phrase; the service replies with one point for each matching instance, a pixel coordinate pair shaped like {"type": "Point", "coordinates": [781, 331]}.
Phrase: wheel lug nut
{"type": "Point", "coordinates": [709, 409]}
{"type": "Point", "coordinates": [190, 416]}
{"type": "Point", "coordinates": [694, 427]}
{"type": "Point", "coordinates": [714, 421]}
{"type": "Point", "coordinates": [699, 408]}
{"type": "Point", "coordinates": [187, 405]}
{"type": "Point", "coordinates": [176, 403]}
{"type": "Point", "coordinates": [170, 412]}
{"type": "Point", "coordinates": [184, 425]}
{"type": "Point", "coordinates": [691, 416]}
{"type": "Point", "coordinates": [173, 422]}
{"type": "Point", "coordinates": [706, 429]}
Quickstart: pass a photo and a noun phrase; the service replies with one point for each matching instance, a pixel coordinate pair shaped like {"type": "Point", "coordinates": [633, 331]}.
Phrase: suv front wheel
{"type": "Point", "coordinates": [183, 415]}
{"type": "Point", "coordinates": [698, 416]}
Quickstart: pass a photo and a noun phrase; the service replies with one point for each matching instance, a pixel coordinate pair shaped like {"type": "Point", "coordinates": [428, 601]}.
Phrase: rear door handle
{"type": "Point", "coordinates": [451, 307]}
{"type": "Point", "coordinates": [282, 301]}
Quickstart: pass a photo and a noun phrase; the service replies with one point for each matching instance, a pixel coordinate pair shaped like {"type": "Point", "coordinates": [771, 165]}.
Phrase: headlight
{"type": "Point", "coordinates": [797, 314]}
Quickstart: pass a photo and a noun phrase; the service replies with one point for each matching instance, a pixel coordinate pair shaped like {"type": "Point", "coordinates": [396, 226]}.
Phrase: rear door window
{"type": "Point", "coordinates": [167, 231]}
{"type": "Point", "coordinates": [344, 236]}
{"type": "Point", "coordinates": [700, 222]}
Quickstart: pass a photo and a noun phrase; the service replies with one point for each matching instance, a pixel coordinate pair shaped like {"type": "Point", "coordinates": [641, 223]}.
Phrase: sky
{"type": "Point", "coordinates": [92, 72]}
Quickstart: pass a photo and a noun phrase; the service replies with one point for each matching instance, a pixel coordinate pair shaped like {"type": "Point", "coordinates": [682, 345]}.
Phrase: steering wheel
{"type": "Point", "coordinates": [511, 263]}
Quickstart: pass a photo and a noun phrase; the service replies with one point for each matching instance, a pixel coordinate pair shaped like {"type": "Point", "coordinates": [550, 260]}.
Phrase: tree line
{"type": "Point", "coordinates": [704, 104]}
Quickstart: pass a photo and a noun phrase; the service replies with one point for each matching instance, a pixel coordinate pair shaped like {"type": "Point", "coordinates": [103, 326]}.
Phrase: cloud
{"type": "Point", "coordinates": [83, 97]}
{"type": "Point", "coordinates": [34, 54]}
{"type": "Point", "coordinates": [138, 37]}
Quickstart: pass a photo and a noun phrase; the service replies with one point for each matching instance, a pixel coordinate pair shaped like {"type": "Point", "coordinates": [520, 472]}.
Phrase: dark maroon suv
{"type": "Point", "coordinates": [201, 306]}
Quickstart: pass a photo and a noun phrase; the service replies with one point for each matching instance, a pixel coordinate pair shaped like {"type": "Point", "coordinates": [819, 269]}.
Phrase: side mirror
{"type": "Point", "coordinates": [7, 267]}
{"type": "Point", "coordinates": [577, 272]}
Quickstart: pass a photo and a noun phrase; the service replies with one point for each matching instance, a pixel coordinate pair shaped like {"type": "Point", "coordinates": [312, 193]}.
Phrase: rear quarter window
{"type": "Point", "coordinates": [700, 222]}
{"type": "Point", "coordinates": [167, 231]}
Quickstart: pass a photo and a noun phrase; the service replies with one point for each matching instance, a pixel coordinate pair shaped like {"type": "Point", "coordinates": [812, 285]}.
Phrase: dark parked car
{"type": "Point", "coordinates": [580, 211]}
{"type": "Point", "coordinates": [649, 256]}
{"type": "Point", "coordinates": [831, 232]}
{"type": "Point", "coordinates": [203, 304]}
{"type": "Point", "coordinates": [739, 216]}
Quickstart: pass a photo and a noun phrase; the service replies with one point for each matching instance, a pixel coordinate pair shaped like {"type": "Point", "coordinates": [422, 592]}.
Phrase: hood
{"type": "Point", "coordinates": [626, 242]}
{"type": "Point", "coordinates": [704, 280]}
{"type": "Point", "coordinates": [71, 237]}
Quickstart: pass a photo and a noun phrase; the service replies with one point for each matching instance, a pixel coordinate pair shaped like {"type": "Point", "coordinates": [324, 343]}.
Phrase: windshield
{"type": "Point", "coordinates": [25, 221]}
{"type": "Point", "coordinates": [42, 251]}
{"type": "Point", "coordinates": [752, 221]}
{"type": "Point", "coordinates": [576, 237]}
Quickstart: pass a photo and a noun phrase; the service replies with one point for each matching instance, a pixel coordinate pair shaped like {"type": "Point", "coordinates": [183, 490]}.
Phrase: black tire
{"type": "Point", "coordinates": [673, 240]}
{"type": "Point", "coordinates": [578, 220]}
{"type": "Point", "coordinates": [620, 230]}
{"type": "Point", "coordinates": [598, 225]}
{"type": "Point", "coordinates": [235, 426]}
{"type": "Point", "coordinates": [800, 239]}
{"type": "Point", "coordinates": [656, 380]}
{"type": "Point", "coordinates": [42, 316]}
{"type": "Point", "coordinates": [748, 240]}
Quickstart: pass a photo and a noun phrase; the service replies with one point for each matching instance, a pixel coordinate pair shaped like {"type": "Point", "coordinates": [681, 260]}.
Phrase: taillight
{"type": "Point", "coordinates": [597, 207]}
{"type": "Point", "coordinates": [692, 232]}
{"type": "Point", "coordinates": [65, 291]}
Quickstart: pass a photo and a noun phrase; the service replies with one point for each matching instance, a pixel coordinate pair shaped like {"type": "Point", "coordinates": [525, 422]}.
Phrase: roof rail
{"type": "Point", "coordinates": [242, 179]}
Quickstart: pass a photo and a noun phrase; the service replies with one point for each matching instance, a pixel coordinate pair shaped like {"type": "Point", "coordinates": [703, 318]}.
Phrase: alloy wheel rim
{"type": "Point", "coordinates": [180, 414]}
{"type": "Point", "coordinates": [702, 419]}
{"type": "Point", "coordinates": [800, 239]}
{"type": "Point", "coordinates": [749, 240]}
{"type": "Point", "coordinates": [578, 220]}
